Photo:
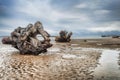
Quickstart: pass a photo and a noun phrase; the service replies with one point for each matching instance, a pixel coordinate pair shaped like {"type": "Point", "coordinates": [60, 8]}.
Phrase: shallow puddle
{"type": "Point", "coordinates": [108, 68]}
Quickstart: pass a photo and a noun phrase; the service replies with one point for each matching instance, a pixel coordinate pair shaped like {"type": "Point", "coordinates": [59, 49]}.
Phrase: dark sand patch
{"type": "Point", "coordinates": [111, 43]}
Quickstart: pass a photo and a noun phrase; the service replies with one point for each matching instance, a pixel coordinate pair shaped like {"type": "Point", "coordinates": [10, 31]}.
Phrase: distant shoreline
{"type": "Point", "coordinates": [75, 37]}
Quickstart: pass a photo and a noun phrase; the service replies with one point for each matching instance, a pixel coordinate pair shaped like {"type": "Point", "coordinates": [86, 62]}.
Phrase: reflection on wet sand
{"type": "Point", "coordinates": [61, 62]}
{"type": "Point", "coordinates": [108, 68]}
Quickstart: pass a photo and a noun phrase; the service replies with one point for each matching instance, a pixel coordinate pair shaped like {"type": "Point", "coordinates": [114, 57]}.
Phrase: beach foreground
{"type": "Point", "coordinates": [77, 60]}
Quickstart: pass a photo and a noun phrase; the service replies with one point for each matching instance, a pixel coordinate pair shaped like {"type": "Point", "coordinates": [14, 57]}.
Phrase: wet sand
{"type": "Point", "coordinates": [77, 60]}
{"type": "Point", "coordinates": [109, 62]}
{"type": "Point", "coordinates": [110, 43]}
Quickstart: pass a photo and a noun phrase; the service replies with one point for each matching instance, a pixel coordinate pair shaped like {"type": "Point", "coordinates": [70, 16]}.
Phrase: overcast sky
{"type": "Point", "coordinates": [82, 17]}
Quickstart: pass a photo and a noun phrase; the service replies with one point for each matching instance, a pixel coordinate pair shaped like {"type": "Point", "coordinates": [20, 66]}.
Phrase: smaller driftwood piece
{"type": "Point", "coordinates": [64, 36]}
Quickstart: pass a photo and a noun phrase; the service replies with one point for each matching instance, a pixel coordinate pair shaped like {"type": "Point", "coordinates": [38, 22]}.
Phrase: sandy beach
{"type": "Point", "coordinates": [81, 59]}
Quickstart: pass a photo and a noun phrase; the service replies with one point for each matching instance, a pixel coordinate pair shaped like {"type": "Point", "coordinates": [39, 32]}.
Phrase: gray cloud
{"type": "Point", "coordinates": [80, 16]}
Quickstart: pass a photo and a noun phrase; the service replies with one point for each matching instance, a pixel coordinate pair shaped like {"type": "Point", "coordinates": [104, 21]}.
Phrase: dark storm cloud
{"type": "Point", "coordinates": [97, 10]}
{"type": "Point", "coordinates": [114, 7]}
{"type": "Point", "coordinates": [6, 8]}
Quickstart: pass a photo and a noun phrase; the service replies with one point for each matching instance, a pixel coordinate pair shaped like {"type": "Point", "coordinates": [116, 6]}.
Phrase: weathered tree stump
{"type": "Point", "coordinates": [25, 39]}
{"type": "Point", "coordinates": [64, 36]}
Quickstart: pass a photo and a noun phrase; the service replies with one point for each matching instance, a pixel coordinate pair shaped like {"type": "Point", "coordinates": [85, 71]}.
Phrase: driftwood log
{"type": "Point", "coordinates": [64, 36]}
{"type": "Point", "coordinates": [25, 39]}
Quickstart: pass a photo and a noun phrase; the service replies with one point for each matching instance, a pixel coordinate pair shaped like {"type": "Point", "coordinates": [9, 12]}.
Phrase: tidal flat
{"type": "Point", "coordinates": [81, 59]}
